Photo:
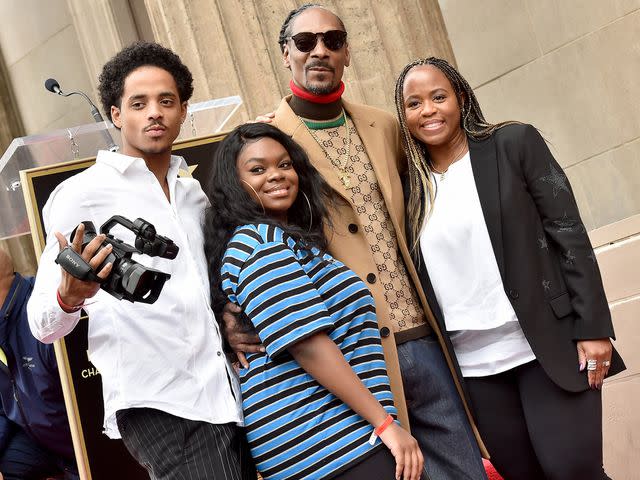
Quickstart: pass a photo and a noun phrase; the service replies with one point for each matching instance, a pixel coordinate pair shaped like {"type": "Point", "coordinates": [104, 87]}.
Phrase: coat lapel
{"type": "Point", "coordinates": [374, 145]}
{"type": "Point", "coordinates": [484, 163]}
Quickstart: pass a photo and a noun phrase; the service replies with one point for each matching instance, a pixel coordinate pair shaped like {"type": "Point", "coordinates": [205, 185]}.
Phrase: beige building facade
{"type": "Point", "coordinates": [570, 67]}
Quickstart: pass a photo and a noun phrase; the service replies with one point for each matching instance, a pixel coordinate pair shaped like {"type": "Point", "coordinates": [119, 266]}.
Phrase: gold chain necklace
{"type": "Point", "coordinates": [341, 167]}
{"type": "Point", "coordinates": [440, 173]}
{"type": "Point", "coordinates": [455, 159]}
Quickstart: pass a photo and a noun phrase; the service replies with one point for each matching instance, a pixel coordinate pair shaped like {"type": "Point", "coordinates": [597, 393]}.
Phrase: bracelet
{"type": "Point", "coordinates": [380, 429]}
{"type": "Point", "coordinates": [65, 307]}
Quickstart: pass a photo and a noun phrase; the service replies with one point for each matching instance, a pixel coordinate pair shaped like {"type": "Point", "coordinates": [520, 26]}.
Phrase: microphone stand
{"type": "Point", "coordinates": [54, 87]}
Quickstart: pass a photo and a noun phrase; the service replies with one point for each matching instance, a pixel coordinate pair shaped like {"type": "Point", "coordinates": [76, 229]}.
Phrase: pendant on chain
{"type": "Point", "coordinates": [346, 180]}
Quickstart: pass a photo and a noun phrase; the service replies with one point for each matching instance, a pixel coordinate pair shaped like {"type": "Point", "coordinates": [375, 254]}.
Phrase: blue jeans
{"type": "Point", "coordinates": [438, 420]}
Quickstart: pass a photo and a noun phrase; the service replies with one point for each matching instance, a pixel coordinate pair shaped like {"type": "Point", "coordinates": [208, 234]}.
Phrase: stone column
{"type": "Point", "coordinates": [20, 249]}
{"type": "Point", "coordinates": [103, 27]}
{"type": "Point", "coordinates": [10, 121]}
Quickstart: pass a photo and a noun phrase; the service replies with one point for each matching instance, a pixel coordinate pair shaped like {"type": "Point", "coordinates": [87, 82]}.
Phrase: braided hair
{"type": "Point", "coordinates": [472, 122]}
{"type": "Point", "coordinates": [285, 31]}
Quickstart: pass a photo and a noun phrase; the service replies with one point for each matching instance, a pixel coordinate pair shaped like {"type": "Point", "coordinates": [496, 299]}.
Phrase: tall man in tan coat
{"type": "Point", "coordinates": [358, 151]}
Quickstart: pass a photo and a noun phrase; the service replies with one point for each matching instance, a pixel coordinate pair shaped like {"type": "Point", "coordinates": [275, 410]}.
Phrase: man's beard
{"type": "Point", "coordinates": [156, 149]}
{"type": "Point", "coordinates": [321, 88]}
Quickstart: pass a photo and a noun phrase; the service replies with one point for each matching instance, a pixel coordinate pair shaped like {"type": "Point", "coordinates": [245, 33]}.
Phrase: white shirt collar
{"type": "Point", "coordinates": [122, 162]}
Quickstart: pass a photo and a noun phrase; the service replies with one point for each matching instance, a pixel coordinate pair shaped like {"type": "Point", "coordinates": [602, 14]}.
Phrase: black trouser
{"type": "Point", "coordinates": [379, 466]}
{"type": "Point", "coordinates": [535, 430]}
{"type": "Point", "coordinates": [173, 448]}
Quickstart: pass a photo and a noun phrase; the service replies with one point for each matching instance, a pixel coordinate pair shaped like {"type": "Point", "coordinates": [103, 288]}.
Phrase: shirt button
{"type": "Point", "coordinates": [219, 353]}
{"type": "Point", "coordinates": [514, 294]}
{"type": "Point", "coordinates": [353, 228]}
{"type": "Point", "coordinates": [384, 332]}
{"type": "Point", "coordinates": [371, 278]}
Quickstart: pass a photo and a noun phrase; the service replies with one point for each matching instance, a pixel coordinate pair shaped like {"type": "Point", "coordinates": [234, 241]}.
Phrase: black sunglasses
{"type": "Point", "coordinates": [306, 41]}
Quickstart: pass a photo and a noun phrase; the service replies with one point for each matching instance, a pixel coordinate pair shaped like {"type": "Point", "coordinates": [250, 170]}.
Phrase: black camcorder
{"type": "Point", "coordinates": [128, 280]}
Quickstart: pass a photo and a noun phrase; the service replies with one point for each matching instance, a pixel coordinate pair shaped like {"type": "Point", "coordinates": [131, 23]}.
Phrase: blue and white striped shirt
{"type": "Point", "coordinates": [296, 428]}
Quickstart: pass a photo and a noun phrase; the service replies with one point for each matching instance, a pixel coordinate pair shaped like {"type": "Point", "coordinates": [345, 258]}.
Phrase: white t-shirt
{"type": "Point", "coordinates": [457, 251]}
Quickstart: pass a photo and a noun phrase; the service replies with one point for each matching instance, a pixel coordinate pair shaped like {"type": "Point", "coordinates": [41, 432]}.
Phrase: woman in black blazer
{"type": "Point", "coordinates": [510, 274]}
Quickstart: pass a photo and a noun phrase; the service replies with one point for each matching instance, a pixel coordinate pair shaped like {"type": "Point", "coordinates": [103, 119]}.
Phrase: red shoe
{"type": "Point", "coordinates": [491, 472]}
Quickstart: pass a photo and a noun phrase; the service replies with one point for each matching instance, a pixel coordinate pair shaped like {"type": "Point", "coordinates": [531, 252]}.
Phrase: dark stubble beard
{"type": "Point", "coordinates": [321, 89]}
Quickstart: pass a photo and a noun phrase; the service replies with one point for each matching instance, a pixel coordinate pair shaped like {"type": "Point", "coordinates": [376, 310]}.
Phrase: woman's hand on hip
{"type": "Point", "coordinates": [598, 351]}
{"type": "Point", "coordinates": [405, 450]}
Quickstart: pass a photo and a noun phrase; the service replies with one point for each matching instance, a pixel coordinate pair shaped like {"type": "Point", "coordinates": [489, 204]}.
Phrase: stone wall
{"type": "Point", "coordinates": [570, 68]}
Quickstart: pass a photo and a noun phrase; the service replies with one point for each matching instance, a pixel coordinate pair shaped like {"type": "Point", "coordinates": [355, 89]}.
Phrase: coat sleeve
{"type": "Point", "coordinates": [556, 204]}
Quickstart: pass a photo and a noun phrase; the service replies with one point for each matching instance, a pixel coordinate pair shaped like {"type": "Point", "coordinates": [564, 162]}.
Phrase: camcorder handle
{"type": "Point", "coordinates": [147, 240]}
{"type": "Point", "coordinates": [73, 263]}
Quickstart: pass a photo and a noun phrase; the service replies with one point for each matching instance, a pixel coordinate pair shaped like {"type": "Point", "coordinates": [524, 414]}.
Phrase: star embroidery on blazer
{"type": "Point", "coordinates": [543, 243]}
{"type": "Point", "coordinates": [546, 284]}
{"type": "Point", "coordinates": [557, 180]}
{"type": "Point", "coordinates": [565, 224]}
{"type": "Point", "coordinates": [569, 257]}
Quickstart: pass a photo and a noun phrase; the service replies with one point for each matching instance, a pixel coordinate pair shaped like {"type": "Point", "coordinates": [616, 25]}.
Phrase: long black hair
{"type": "Point", "coordinates": [231, 205]}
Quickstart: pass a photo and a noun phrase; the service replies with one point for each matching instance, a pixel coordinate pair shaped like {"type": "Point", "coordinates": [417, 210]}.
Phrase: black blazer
{"type": "Point", "coordinates": [544, 255]}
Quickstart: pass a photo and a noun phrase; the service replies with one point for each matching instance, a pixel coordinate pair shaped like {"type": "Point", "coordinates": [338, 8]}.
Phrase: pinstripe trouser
{"type": "Point", "coordinates": [174, 448]}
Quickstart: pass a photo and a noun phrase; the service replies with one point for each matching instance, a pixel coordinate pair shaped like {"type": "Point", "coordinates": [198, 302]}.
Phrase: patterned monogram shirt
{"type": "Point", "coordinates": [405, 310]}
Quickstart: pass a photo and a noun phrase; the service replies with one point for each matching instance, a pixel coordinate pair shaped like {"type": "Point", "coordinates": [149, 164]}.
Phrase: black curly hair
{"type": "Point", "coordinates": [231, 205]}
{"type": "Point", "coordinates": [136, 55]}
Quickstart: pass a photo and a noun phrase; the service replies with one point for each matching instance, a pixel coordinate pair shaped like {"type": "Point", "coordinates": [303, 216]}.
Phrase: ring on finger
{"type": "Point", "coordinates": [592, 364]}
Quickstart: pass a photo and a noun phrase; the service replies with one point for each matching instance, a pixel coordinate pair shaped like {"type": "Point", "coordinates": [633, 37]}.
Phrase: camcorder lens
{"type": "Point", "coordinates": [140, 283]}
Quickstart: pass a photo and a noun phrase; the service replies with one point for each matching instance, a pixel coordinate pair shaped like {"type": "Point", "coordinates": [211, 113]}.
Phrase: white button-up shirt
{"type": "Point", "coordinates": [167, 355]}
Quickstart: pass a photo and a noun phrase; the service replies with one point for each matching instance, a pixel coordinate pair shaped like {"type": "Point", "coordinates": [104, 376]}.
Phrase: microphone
{"type": "Point", "coordinates": [52, 85]}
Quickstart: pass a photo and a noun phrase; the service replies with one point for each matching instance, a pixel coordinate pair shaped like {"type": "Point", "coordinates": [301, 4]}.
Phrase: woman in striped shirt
{"type": "Point", "coordinates": [312, 399]}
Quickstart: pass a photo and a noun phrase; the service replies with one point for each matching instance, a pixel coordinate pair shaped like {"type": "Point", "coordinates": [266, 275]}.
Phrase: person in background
{"type": "Point", "coordinates": [35, 440]}
{"type": "Point", "coordinates": [509, 271]}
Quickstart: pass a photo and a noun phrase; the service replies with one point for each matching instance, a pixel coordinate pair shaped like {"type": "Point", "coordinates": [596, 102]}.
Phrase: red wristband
{"type": "Point", "coordinates": [65, 307]}
{"type": "Point", "coordinates": [387, 421]}
{"type": "Point", "coordinates": [380, 429]}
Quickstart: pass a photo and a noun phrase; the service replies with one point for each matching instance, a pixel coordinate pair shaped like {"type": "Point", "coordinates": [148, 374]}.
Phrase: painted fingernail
{"type": "Point", "coordinates": [581, 366]}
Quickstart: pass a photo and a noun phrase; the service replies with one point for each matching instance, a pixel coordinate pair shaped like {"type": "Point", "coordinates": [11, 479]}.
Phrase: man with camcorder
{"type": "Point", "coordinates": [168, 389]}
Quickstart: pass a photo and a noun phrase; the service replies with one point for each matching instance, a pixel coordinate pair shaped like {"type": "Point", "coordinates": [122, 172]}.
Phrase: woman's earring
{"type": "Point", "coordinates": [310, 211]}
{"type": "Point", "coordinates": [264, 212]}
